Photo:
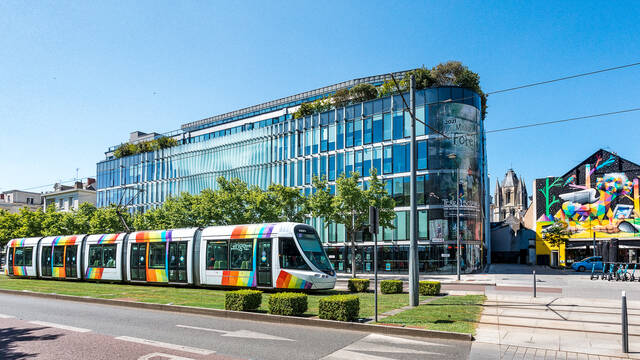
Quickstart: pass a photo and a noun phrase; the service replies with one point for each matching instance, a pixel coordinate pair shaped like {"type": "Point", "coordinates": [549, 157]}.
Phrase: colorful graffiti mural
{"type": "Point", "coordinates": [598, 198]}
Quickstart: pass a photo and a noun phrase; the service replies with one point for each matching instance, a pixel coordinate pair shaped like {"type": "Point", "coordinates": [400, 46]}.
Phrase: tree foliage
{"type": "Point", "coordinates": [341, 98]}
{"type": "Point", "coordinates": [234, 202]}
{"type": "Point", "coordinates": [363, 92]}
{"type": "Point", "coordinates": [556, 234]}
{"type": "Point", "coordinates": [127, 149]}
{"type": "Point", "coordinates": [350, 205]}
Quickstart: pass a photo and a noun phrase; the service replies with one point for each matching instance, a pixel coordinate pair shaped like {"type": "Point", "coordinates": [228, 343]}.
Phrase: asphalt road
{"type": "Point", "coordinates": [32, 327]}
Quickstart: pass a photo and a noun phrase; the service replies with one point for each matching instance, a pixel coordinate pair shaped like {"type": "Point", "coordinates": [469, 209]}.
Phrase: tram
{"type": "Point", "coordinates": [276, 255]}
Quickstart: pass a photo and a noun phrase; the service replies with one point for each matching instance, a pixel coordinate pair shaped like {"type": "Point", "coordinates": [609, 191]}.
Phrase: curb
{"type": "Point", "coordinates": [252, 316]}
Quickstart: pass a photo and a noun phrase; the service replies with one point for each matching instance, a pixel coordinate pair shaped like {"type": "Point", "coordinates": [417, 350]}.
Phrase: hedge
{"type": "Point", "coordinates": [288, 303]}
{"type": "Point", "coordinates": [391, 286]}
{"type": "Point", "coordinates": [358, 285]}
{"type": "Point", "coordinates": [429, 288]}
{"type": "Point", "coordinates": [339, 307]}
{"type": "Point", "coordinates": [242, 300]}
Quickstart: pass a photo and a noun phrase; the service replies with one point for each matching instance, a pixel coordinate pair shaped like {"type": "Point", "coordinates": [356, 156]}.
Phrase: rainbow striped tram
{"type": "Point", "coordinates": [278, 255]}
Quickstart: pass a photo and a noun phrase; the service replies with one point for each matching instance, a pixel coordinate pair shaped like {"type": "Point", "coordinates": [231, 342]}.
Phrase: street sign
{"type": "Point", "coordinates": [445, 255]}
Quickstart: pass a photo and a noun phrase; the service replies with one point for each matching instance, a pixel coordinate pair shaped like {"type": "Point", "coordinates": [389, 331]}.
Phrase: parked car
{"type": "Point", "coordinates": [588, 263]}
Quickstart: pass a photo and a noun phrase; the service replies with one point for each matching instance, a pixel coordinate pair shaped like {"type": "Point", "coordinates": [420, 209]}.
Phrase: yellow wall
{"type": "Point", "coordinates": [544, 248]}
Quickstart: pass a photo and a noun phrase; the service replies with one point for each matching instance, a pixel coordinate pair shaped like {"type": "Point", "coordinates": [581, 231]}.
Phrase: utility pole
{"type": "Point", "coordinates": [414, 296]}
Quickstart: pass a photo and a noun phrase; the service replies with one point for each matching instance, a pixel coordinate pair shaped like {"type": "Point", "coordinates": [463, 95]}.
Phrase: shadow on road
{"type": "Point", "coordinates": [9, 337]}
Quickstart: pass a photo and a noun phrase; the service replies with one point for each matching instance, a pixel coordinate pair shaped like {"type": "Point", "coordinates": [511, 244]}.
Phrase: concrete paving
{"type": "Point", "coordinates": [557, 325]}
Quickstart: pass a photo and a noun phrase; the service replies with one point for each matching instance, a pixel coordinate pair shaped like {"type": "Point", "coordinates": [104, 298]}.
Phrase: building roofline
{"type": "Point", "coordinates": [67, 191]}
{"type": "Point", "coordinates": [293, 98]}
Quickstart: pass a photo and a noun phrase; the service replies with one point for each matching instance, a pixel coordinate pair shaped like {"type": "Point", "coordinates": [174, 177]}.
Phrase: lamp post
{"type": "Point", "coordinates": [454, 157]}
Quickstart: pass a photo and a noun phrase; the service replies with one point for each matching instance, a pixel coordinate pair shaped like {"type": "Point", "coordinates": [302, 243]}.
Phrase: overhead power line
{"type": "Point", "coordinates": [563, 78]}
{"type": "Point", "coordinates": [562, 121]}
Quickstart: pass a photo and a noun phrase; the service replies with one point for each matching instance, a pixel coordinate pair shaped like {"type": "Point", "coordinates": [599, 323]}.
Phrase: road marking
{"type": "Point", "coordinates": [166, 345]}
{"type": "Point", "coordinates": [246, 334]}
{"type": "Point", "coordinates": [350, 355]}
{"type": "Point", "coordinates": [3, 316]}
{"type": "Point", "coordinates": [201, 328]}
{"type": "Point", "coordinates": [372, 343]}
{"type": "Point", "coordinates": [60, 326]}
{"type": "Point", "coordinates": [164, 356]}
{"type": "Point", "coordinates": [399, 341]}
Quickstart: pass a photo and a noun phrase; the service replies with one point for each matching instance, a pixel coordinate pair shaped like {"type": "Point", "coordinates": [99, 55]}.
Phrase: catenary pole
{"type": "Point", "coordinates": [458, 249]}
{"type": "Point", "coordinates": [413, 249]}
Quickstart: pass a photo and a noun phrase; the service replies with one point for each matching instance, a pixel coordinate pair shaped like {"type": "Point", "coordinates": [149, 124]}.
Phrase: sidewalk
{"type": "Point", "coordinates": [523, 327]}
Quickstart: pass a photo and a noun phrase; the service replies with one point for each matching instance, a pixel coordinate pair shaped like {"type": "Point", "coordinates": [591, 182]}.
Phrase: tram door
{"type": "Point", "coordinates": [138, 261]}
{"type": "Point", "coordinates": [9, 263]}
{"type": "Point", "coordinates": [264, 262]}
{"type": "Point", "coordinates": [71, 262]}
{"type": "Point", "coordinates": [178, 262]}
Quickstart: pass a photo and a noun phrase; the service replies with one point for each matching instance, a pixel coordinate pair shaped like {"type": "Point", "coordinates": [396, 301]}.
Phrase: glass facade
{"type": "Point", "coordinates": [359, 137]}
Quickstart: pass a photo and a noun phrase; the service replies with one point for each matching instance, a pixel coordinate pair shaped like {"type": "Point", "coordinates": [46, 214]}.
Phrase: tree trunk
{"type": "Point", "coordinates": [353, 254]}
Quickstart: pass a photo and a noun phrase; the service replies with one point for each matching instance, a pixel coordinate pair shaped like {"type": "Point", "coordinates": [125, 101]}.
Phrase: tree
{"type": "Point", "coordinates": [125, 149]}
{"type": "Point", "coordinates": [288, 203]}
{"type": "Point", "coordinates": [30, 223]}
{"type": "Point", "coordinates": [363, 92]}
{"type": "Point", "coordinates": [423, 76]}
{"type": "Point", "coordinates": [9, 225]}
{"type": "Point", "coordinates": [305, 109]}
{"type": "Point", "coordinates": [350, 207]}
{"type": "Point", "coordinates": [107, 221]}
{"type": "Point", "coordinates": [556, 234]}
{"type": "Point", "coordinates": [341, 98]}
{"type": "Point", "coordinates": [379, 198]}
{"type": "Point", "coordinates": [454, 73]}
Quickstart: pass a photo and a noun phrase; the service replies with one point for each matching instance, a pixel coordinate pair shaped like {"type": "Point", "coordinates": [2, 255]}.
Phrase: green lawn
{"type": "Point", "coordinates": [451, 313]}
{"type": "Point", "coordinates": [208, 298]}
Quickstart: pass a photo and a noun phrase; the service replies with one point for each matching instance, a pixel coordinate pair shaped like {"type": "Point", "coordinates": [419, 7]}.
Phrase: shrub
{"type": "Point", "coordinates": [358, 285]}
{"type": "Point", "coordinates": [288, 303]}
{"type": "Point", "coordinates": [391, 286]}
{"type": "Point", "coordinates": [429, 288]}
{"type": "Point", "coordinates": [363, 92]}
{"type": "Point", "coordinates": [242, 300]}
{"type": "Point", "coordinates": [339, 307]}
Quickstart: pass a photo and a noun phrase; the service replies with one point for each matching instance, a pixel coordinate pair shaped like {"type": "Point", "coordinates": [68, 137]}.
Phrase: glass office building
{"type": "Point", "coordinates": [264, 144]}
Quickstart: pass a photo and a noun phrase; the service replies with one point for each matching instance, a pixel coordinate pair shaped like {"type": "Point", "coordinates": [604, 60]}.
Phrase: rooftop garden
{"type": "Point", "coordinates": [451, 73]}
{"type": "Point", "coordinates": [127, 149]}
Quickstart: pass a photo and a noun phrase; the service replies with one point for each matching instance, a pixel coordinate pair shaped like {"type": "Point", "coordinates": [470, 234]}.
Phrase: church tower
{"type": "Point", "coordinates": [510, 198]}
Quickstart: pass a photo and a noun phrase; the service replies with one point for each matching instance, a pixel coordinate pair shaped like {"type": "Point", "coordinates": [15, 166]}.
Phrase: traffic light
{"type": "Point", "coordinates": [374, 221]}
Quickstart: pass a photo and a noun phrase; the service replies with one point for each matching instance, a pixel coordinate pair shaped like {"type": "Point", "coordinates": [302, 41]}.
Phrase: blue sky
{"type": "Point", "coordinates": [77, 77]}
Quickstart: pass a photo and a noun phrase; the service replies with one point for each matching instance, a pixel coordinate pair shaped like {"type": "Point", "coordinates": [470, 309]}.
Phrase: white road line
{"type": "Point", "coordinates": [60, 326]}
{"type": "Point", "coordinates": [3, 316]}
{"type": "Point", "coordinates": [201, 328]}
{"type": "Point", "coordinates": [166, 345]}
{"type": "Point", "coordinates": [239, 333]}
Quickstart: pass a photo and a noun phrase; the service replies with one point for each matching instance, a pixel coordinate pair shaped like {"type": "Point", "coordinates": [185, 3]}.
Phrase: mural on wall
{"type": "Point", "coordinates": [600, 196]}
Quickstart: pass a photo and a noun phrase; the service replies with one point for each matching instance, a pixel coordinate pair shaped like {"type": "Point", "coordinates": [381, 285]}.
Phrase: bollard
{"type": "Point", "coordinates": [625, 324]}
{"type": "Point", "coordinates": [534, 283]}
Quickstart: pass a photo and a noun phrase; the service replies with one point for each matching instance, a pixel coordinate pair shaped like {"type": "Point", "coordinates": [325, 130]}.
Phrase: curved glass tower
{"type": "Point", "coordinates": [264, 144]}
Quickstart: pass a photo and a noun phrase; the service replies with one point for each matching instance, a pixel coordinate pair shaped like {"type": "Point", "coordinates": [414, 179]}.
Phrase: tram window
{"type": "Point", "coordinates": [290, 257]}
{"type": "Point", "coordinates": [18, 258]}
{"type": "Point", "coordinates": [109, 256]}
{"type": "Point", "coordinates": [241, 255]}
{"type": "Point", "coordinates": [95, 256]}
{"type": "Point", "coordinates": [28, 256]}
{"type": "Point", "coordinates": [157, 255]}
{"type": "Point", "coordinates": [58, 256]}
{"type": "Point", "coordinates": [217, 255]}
{"type": "Point", "coordinates": [102, 256]}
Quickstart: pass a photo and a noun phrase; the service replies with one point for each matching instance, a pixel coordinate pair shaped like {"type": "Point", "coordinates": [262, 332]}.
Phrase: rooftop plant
{"type": "Point", "coordinates": [127, 149]}
{"type": "Point", "coordinates": [450, 73]}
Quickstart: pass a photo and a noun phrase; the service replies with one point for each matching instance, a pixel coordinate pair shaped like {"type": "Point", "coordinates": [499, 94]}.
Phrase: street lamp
{"type": "Point", "coordinates": [455, 158]}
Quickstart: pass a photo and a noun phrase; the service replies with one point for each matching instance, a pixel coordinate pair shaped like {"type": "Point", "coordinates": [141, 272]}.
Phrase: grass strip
{"type": "Point", "coordinates": [451, 313]}
{"type": "Point", "coordinates": [198, 297]}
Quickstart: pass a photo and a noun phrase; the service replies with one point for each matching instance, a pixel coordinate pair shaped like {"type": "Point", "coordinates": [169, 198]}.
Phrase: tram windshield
{"type": "Point", "coordinates": [312, 249]}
